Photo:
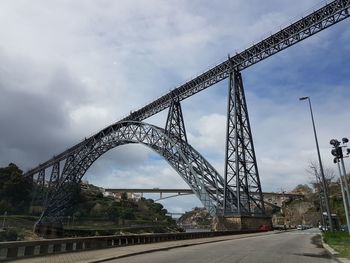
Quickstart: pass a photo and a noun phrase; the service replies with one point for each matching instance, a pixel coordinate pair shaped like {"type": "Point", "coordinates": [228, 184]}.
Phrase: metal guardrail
{"type": "Point", "coordinates": [24, 249]}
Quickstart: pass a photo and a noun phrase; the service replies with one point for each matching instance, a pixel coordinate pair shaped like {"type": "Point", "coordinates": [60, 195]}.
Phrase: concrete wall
{"type": "Point", "coordinates": [24, 249]}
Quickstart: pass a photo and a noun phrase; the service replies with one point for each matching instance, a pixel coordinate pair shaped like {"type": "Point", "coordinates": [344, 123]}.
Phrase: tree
{"type": "Point", "coordinates": [302, 189]}
{"type": "Point", "coordinates": [15, 190]}
{"type": "Point", "coordinates": [333, 189]}
{"type": "Point", "coordinates": [113, 212]}
{"type": "Point", "coordinates": [124, 196]}
{"type": "Point", "coordinates": [315, 175]}
{"type": "Point", "coordinates": [127, 213]}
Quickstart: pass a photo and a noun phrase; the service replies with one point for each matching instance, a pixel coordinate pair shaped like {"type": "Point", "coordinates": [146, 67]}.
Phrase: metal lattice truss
{"type": "Point", "coordinates": [241, 171]}
{"type": "Point", "coordinates": [319, 20]}
{"type": "Point", "coordinates": [202, 178]}
{"type": "Point", "coordinates": [309, 25]}
{"type": "Point", "coordinates": [219, 195]}
{"type": "Point", "coordinates": [175, 125]}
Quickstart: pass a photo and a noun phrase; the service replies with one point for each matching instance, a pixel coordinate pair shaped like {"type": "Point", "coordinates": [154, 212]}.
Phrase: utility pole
{"type": "Point", "coordinates": [321, 168]}
{"type": "Point", "coordinates": [338, 153]}
{"type": "Point", "coordinates": [344, 198]}
{"type": "Point", "coordinates": [319, 189]}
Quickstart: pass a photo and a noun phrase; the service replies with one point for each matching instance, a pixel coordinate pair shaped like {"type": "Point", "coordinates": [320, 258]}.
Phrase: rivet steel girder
{"type": "Point", "coordinates": [202, 178]}
{"type": "Point", "coordinates": [313, 23]}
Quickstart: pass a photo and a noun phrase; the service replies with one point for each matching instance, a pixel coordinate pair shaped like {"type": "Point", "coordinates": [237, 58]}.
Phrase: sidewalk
{"type": "Point", "coordinates": [94, 256]}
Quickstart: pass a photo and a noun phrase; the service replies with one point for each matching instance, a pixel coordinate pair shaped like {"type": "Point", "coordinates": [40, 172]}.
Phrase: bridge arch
{"type": "Point", "coordinates": [194, 169]}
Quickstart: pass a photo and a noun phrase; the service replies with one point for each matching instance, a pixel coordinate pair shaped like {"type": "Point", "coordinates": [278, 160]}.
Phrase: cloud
{"type": "Point", "coordinates": [209, 133]}
{"type": "Point", "coordinates": [128, 167]}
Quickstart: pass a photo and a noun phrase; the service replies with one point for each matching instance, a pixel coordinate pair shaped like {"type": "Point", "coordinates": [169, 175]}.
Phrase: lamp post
{"type": "Point", "coordinates": [320, 193]}
{"type": "Point", "coordinates": [321, 167]}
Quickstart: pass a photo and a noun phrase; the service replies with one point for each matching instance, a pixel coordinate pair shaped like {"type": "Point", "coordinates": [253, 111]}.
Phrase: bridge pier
{"type": "Point", "coordinates": [240, 222]}
{"type": "Point", "coordinates": [241, 169]}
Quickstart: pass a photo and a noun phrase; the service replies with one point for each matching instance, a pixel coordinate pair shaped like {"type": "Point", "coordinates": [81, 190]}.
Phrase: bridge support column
{"type": "Point", "coordinates": [54, 180]}
{"type": "Point", "coordinates": [175, 130]}
{"type": "Point", "coordinates": [241, 171]}
{"type": "Point", "coordinates": [175, 125]}
{"type": "Point", "coordinates": [39, 193]}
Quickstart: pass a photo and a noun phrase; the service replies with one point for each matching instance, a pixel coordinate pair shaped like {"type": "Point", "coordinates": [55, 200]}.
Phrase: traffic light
{"type": "Point", "coordinates": [334, 142]}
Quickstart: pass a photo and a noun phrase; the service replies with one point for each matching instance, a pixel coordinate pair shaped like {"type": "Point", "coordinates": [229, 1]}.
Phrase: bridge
{"type": "Point", "coordinates": [174, 192]}
{"type": "Point", "coordinates": [269, 198]}
{"type": "Point", "coordinates": [236, 193]}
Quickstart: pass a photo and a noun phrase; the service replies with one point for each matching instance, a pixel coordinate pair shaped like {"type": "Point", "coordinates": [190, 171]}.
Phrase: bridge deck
{"type": "Point", "coordinates": [148, 190]}
{"type": "Point", "coordinates": [185, 191]}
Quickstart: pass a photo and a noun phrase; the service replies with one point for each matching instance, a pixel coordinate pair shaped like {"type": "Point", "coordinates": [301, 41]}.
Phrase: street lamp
{"type": "Point", "coordinates": [321, 167]}
{"type": "Point", "coordinates": [320, 193]}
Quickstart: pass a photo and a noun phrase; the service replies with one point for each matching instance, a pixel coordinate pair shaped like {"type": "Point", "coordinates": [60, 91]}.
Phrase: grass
{"type": "Point", "coordinates": [339, 241]}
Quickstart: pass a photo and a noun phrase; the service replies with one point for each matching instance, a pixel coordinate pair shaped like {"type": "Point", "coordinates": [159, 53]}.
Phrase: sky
{"type": "Point", "coordinates": [70, 68]}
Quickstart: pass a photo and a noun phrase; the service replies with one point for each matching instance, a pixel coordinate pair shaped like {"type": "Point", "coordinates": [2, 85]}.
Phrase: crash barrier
{"type": "Point", "coordinates": [23, 249]}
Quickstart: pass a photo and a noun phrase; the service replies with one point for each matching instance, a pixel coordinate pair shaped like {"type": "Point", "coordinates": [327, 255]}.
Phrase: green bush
{"type": "Point", "coordinates": [8, 235]}
{"type": "Point", "coordinates": [15, 190]}
{"type": "Point", "coordinates": [113, 213]}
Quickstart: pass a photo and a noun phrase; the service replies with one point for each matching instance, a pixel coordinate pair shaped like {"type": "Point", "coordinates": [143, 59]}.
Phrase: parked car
{"type": "Point", "coordinates": [344, 228]}
{"type": "Point", "coordinates": [324, 228]}
{"type": "Point", "coordinates": [281, 227]}
{"type": "Point", "coordinates": [300, 227]}
{"type": "Point", "coordinates": [265, 228]}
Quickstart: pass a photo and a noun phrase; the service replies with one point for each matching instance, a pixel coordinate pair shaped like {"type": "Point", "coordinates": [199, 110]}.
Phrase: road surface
{"type": "Point", "coordinates": [288, 247]}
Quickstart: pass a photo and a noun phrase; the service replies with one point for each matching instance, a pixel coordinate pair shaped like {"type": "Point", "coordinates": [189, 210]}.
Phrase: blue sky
{"type": "Point", "coordinates": [71, 68]}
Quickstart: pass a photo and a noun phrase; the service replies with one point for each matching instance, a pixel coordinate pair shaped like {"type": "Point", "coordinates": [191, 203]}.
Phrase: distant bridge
{"type": "Point", "coordinates": [175, 192]}
{"type": "Point", "coordinates": [270, 198]}
{"type": "Point", "coordinates": [149, 190]}
{"type": "Point", "coordinates": [175, 214]}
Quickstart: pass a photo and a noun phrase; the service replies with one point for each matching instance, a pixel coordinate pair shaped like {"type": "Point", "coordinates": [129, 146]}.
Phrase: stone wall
{"type": "Point", "coordinates": [221, 223]}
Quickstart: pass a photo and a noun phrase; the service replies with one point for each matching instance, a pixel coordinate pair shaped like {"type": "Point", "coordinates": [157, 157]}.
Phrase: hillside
{"type": "Point", "coordinates": [92, 213]}
{"type": "Point", "coordinates": [96, 213]}
{"type": "Point", "coordinates": [308, 210]}
{"type": "Point", "coordinates": [197, 218]}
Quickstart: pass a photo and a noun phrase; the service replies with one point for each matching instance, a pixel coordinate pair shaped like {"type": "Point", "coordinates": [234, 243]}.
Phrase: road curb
{"type": "Point", "coordinates": [168, 248]}
{"type": "Point", "coordinates": [333, 253]}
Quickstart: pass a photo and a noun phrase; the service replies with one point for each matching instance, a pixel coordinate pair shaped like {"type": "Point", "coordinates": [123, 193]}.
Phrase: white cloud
{"type": "Point", "coordinates": [209, 133]}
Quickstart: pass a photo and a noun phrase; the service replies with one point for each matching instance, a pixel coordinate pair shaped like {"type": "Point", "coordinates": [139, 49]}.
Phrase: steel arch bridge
{"type": "Point", "coordinates": [234, 193]}
{"type": "Point", "coordinates": [197, 172]}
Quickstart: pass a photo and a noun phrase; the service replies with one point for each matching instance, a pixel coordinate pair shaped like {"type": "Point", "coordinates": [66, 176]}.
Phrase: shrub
{"type": "Point", "coordinates": [8, 235]}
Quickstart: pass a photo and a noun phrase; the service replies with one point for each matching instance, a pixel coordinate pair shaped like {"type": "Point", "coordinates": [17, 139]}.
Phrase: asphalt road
{"type": "Point", "coordinates": [287, 247]}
